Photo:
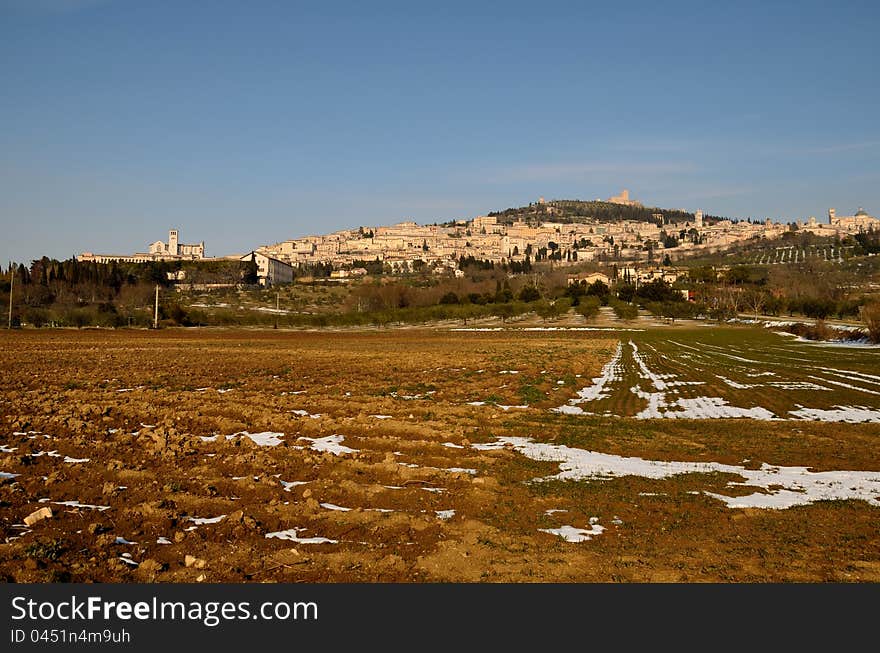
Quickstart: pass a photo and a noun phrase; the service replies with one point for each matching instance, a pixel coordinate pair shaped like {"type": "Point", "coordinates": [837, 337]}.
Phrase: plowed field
{"type": "Point", "coordinates": [429, 455]}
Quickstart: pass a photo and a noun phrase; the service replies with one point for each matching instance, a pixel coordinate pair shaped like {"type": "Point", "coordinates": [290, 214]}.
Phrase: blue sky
{"type": "Point", "coordinates": [246, 123]}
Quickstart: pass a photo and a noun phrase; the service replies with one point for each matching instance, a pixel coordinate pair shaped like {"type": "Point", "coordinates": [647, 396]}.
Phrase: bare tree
{"type": "Point", "coordinates": [755, 300]}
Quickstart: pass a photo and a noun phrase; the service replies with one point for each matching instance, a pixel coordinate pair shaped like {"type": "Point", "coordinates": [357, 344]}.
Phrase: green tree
{"type": "Point", "coordinates": [529, 294]}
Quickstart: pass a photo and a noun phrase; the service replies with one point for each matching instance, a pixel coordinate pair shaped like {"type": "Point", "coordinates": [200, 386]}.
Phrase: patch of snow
{"type": "Point", "coordinates": [738, 386]}
{"type": "Point", "coordinates": [77, 504]}
{"type": "Point", "coordinates": [846, 385]}
{"type": "Point", "coordinates": [291, 484]}
{"type": "Point", "coordinates": [849, 414]}
{"type": "Point", "coordinates": [199, 521]}
{"type": "Point", "coordinates": [5, 475]}
{"type": "Point", "coordinates": [445, 514]}
{"type": "Point", "coordinates": [461, 470]}
{"type": "Point", "coordinates": [847, 374]}
{"type": "Point", "coordinates": [695, 408]}
{"type": "Point", "coordinates": [264, 439]}
{"type": "Point", "coordinates": [122, 540]}
{"type": "Point", "coordinates": [791, 486]}
{"type": "Point", "coordinates": [570, 410]}
{"type": "Point", "coordinates": [572, 534]}
{"type": "Point", "coordinates": [659, 380]}
{"type": "Point", "coordinates": [381, 416]}
{"type": "Point", "coordinates": [731, 356]}
{"type": "Point", "coordinates": [797, 385]}
{"type": "Point", "coordinates": [329, 444]}
{"type": "Point", "coordinates": [163, 540]}
{"type": "Point", "coordinates": [68, 459]}
{"type": "Point", "coordinates": [333, 506]}
{"type": "Point", "coordinates": [51, 454]}
{"type": "Point", "coordinates": [855, 344]}
{"type": "Point", "coordinates": [610, 372]}
{"type": "Point", "coordinates": [452, 445]}
{"type": "Point", "coordinates": [305, 413]}
{"type": "Point", "coordinates": [716, 408]}
{"type": "Point", "coordinates": [292, 534]}
{"type": "Point", "coordinates": [478, 329]}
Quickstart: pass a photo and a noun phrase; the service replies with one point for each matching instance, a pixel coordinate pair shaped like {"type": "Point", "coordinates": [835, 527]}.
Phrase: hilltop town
{"type": "Point", "coordinates": [543, 231]}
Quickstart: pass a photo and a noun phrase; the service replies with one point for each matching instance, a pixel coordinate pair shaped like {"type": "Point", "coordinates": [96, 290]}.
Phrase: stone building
{"type": "Point", "coordinates": [861, 221]}
{"type": "Point", "coordinates": [173, 250]}
{"type": "Point", "coordinates": [624, 199]}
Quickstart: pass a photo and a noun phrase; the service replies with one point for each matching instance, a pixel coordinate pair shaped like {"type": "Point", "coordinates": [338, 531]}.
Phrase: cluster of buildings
{"type": "Point", "coordinates": [406, 245]}
{"type": "Point", "coordinates": [861, 221]}
{"type": "Point", "coordinates": [441, 247]}
{"type": "Point", "coordinates": [173, 250]}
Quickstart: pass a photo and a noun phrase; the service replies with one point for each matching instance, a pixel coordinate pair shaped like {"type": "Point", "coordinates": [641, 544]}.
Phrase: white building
{"type": "Point", "coordinates": [270, 270]}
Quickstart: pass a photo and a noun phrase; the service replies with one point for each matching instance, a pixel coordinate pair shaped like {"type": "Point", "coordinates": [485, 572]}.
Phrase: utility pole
{"type": "Point", "coordinates": [156, 309]}
{"type": "Point", "coordinates": [11, 285]}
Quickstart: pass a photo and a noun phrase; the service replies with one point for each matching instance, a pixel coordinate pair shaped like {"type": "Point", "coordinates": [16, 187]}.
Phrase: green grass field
{"type": "Point", "coordinates": [734, 373]}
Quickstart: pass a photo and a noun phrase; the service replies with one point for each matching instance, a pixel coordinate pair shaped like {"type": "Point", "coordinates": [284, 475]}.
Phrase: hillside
{"type": "Point", "coordinates": [579, 211]}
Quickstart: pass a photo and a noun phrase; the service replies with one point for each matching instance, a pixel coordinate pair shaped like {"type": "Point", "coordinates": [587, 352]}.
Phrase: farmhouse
{"type": "Point", "coordinates": [588, 278]}
{"type": "Point", "coordinates": [270, 270]}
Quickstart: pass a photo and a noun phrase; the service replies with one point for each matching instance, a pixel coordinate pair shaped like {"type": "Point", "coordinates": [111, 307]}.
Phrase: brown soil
{"type": "Point", "coordinates": [135, 403]}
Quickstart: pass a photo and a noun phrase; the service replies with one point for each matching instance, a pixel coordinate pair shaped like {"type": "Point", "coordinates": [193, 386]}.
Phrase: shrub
{"type": "Point", "coordinates": [529, 294]}
{"type": "Point", "coordinates": [870, 315]}
{"type": "Point", "coordinates": [625, 310]}
{"type": "Point", "coordinates": [588, 307]}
